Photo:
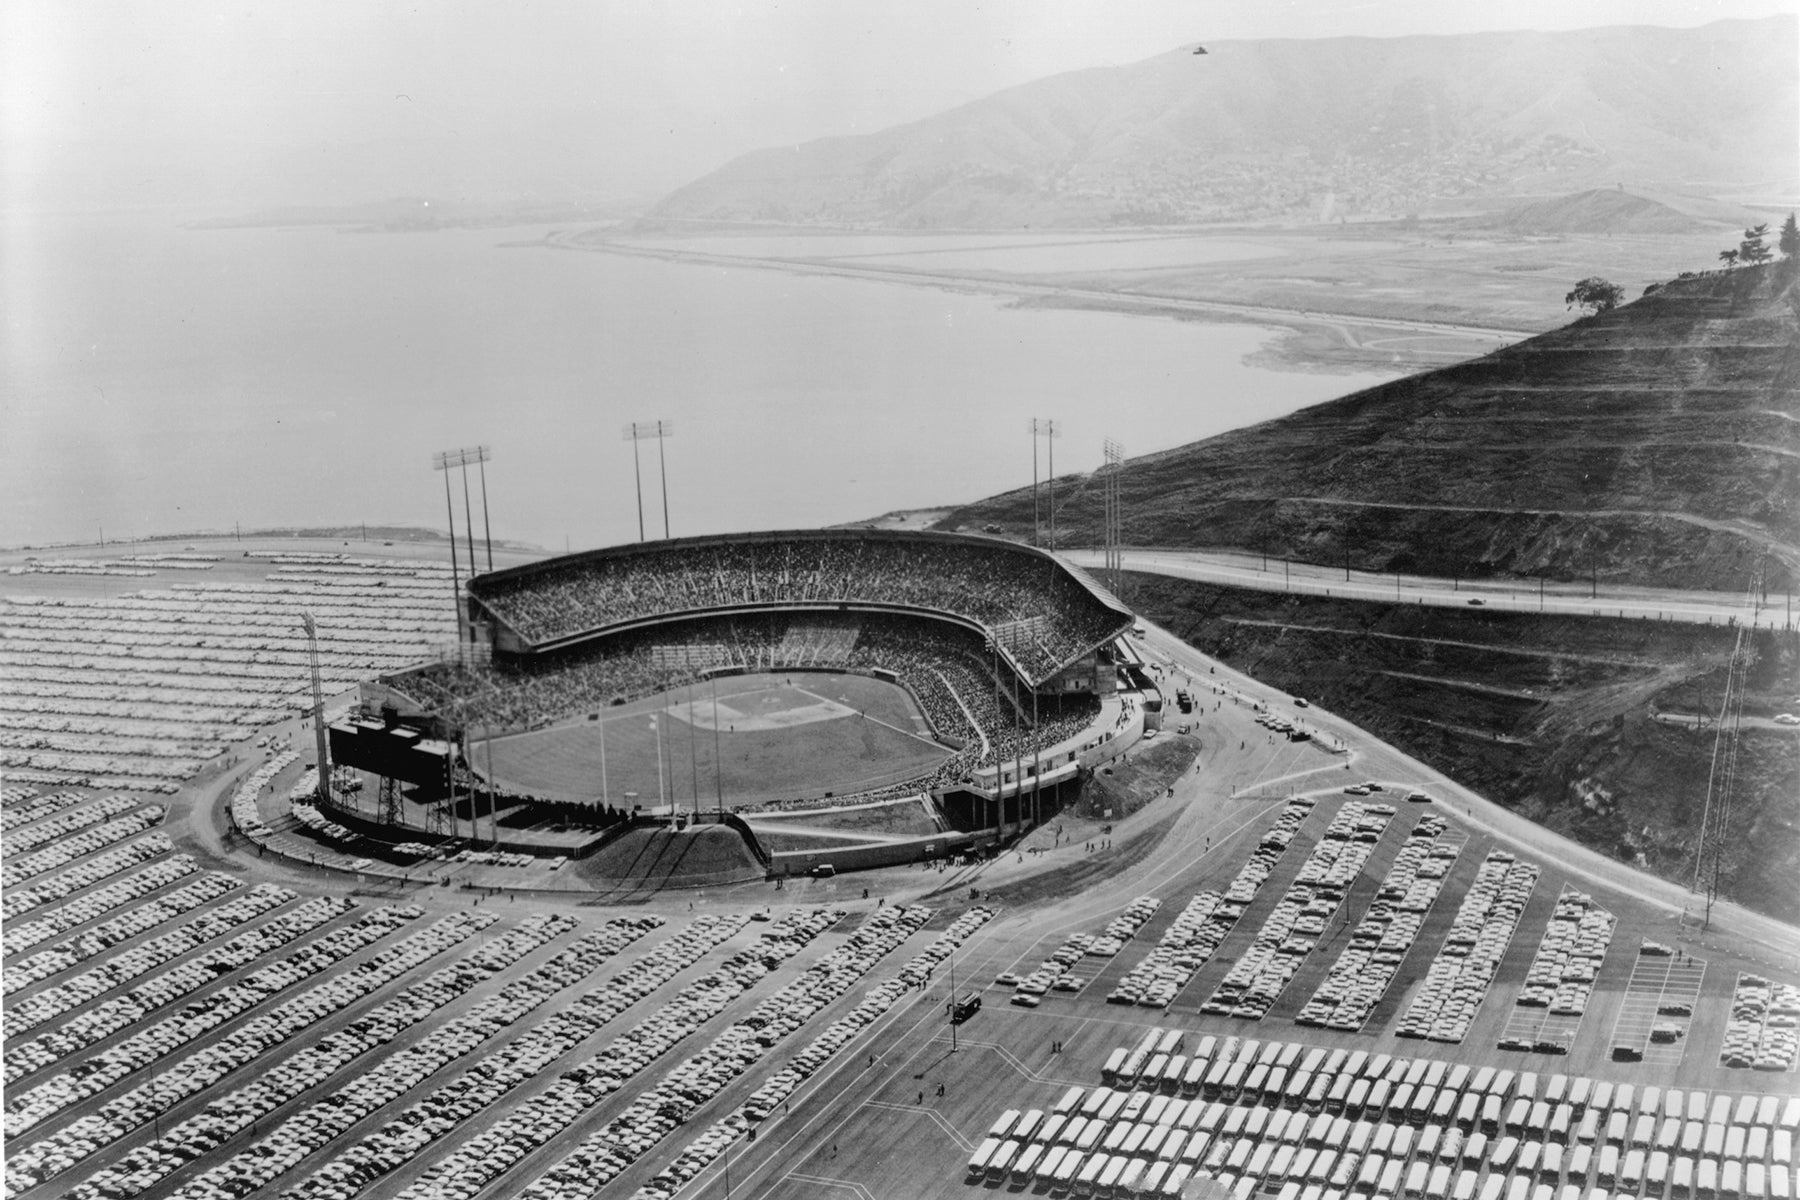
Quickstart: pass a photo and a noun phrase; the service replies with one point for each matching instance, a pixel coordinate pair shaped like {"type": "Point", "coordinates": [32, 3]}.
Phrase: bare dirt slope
{"type": "Point", "coordinates": [1553, 716]}
{"type": "Point", "coordinates": [1656, 444]}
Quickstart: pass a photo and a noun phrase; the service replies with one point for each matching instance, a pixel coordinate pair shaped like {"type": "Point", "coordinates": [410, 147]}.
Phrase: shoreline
{"type": "Point", "coordinates": [1305, 340]}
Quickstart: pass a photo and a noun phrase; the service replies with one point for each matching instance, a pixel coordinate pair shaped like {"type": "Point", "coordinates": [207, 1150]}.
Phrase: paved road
{"type": "Point", "coordinates": [1240, 569]}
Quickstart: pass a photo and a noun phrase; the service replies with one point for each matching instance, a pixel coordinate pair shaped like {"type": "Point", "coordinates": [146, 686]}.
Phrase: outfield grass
{"type": "Point", "coordinates": [807, 735]}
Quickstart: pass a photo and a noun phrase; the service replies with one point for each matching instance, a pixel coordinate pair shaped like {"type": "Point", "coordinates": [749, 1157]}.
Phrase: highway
{"type": "Point", "coordinates": [1240, 569]}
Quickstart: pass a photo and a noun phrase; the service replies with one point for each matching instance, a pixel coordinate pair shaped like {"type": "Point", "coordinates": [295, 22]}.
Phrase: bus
{"type": "Point", "coordinates": [1466, 1183]}
{"type": "Point", "coordinates": [1094, 1101]}
{"type": "Point", "coordinates": [1109, 1177]}
{"type": "Point", "coordinates": [1028, 1124]}
{"type": "Point", "coordinates": [1172, 1073]}
{"type": "Point", "coordinates": [1065, 1172]}
{"type": "Point", "coordinates": [1706, 1179]}
{"type": "Point", "coordinates": [1002, 1161]}
{"type": "Point", "coordinates": [1050, 1163]}
{"type": "Point", "coordinates": [1194, 1076]}
{"type": "Point", "coordinates": [1003, 1126]}
{"type": "Point", "coordinates": [1024, 1167]}
{"type": "Point", "coordinates": [1071, 1100]}
{"type": "Point", "coordinates": [1731, 1179]}
{"type": "Point", "coordinates": [1417, 1176]}
{"type": "Point", "coordinates": [984, 1154]}
{"type": "Point", "coordinates": [1168, 1041]}
{"type": "Point", "coordinates": [1681, 1178]}
{"type": "Point", "coordinates": [965, 1008]}
{"type": "Point", "coordinates": [1115, 1062]}
{"type": "Point", "coordinates": [1089, 1174]}
{"type": "Point", "coordinates": [1631, 1173]}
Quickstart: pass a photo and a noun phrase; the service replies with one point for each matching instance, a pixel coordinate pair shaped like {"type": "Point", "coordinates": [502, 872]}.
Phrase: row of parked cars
{"type": "Point", "coordinates": [91, 906]}
{"type": "Point", "coordinates": [20, 805]}
{"type": "Point", "coordinates": [1459, 977]}
{"type": "Point", "coordinates": [97, 939]}
{"type": "Point", "coordinates": [714, 1141]}
{"type": "Point", "coordinates": [170, 1035]}
{"type": "Point", "coordinates": [1562, 972]}
{"type": "Point", "coordinates": [1761, 1033]}
{"type": "Point", "coordinates": [20, 900]}
{"type": "Point", "coordinates": [1206, 920]}
{"type": "Point", "coordinates": [1297, 922]}
{"type": "Point", "coordinates": [120, 969]}
{"type": "Point", "coordinates": [69, 846]}
{"type": "Point", "coordinates": [317, 1060]}
{"type": "Point", "coordinates": [1360, 976]}
{"type": "Point", "coordinates": [24, 841]}
{"type": "Point", "coordinates": [696, 1080]}
{"type": "Point", "coordinates": [108, 692]}
{"type": "Point", "coordinates": [136, 1007]}
{"type": "Point", "coordinates": [438, 1114]}
{"type": "Point", "coordinates": [244, 813]}
{"type": "Point", "coordinates": [548, 1115]}
{"type": "Point", "coordinates": [154, 1095]}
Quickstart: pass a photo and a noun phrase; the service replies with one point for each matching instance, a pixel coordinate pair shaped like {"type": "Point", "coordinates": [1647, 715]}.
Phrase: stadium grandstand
{"type": "Point", "coordinates": [1005, 650]}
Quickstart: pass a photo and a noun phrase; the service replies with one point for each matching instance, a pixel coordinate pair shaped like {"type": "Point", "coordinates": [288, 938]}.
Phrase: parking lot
{"type": "Point", "coordinates": [1663, 991]}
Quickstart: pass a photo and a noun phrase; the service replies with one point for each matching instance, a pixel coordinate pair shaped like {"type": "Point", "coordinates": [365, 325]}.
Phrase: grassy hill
{"type": "Point", "coordinates": [1315, 130]}
{"type": "Point", "coordinates": [1655, 444]}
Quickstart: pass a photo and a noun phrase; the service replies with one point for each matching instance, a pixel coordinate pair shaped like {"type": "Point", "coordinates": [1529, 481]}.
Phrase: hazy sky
{"type": "Point", "coordinates": [215, 106]}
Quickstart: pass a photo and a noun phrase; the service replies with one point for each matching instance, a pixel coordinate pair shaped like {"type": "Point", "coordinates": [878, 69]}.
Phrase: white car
{"type": "Point", "coordinates": [1786, 719]}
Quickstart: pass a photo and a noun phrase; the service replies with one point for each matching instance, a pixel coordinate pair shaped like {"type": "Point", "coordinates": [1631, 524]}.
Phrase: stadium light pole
{"type": "Point", "coordinates": [442, 461]}
{"type": "Point", "coordinates": [635, 432]}
{"type": "Point", "coordinates": [487, 530]}
{"type": "Point", "coordinates": [318, 707]}
{"type": "Point", "coordinates": [1049, 432]}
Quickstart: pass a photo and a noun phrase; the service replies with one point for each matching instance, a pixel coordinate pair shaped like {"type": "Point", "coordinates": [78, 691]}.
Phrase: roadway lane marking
{"type": "Point", "coordinates": [949, 1129]}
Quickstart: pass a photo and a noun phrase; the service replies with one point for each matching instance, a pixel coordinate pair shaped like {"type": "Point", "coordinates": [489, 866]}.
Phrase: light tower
{"type": "Point", "coordinates": [1113, 468]}
{"type": "Point", "coordinates": [318, 707]}
{"type": "Point", "coordinates": [636, 432]}
{"type": "Point", "coordinates": [1049, 432]}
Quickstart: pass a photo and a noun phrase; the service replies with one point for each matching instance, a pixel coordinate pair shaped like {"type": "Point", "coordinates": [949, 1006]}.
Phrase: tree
{"type": "Point", "coordinates": [1729, 258]}
{"type": "Point", "coordinates": [1790, 238]}
{"type": "Point", "coordinates": [1595, 294]}
{"type": "Point", "coordinates": [1751, 249]}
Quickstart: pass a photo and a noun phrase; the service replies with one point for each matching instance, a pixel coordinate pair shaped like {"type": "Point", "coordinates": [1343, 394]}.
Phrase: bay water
{"type": "Point", "coordinates": [159, 379]}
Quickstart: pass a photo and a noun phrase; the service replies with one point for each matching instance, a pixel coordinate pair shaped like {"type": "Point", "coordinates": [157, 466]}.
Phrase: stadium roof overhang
{"type": "Point", "coordinates": [1006, 639]}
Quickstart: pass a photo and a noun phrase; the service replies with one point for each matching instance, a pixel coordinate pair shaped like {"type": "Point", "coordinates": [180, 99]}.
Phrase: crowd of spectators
{"type": "Point", "coordinates": [946, 667]}
{"type": "Point", "coordinates": [1048, 615]}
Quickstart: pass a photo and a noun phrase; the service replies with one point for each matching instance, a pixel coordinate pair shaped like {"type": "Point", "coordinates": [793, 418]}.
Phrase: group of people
{"type": "Point", "coordinates": [1054, 614]}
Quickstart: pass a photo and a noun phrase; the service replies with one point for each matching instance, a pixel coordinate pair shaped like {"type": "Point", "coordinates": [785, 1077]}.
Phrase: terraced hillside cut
{"type": "Point", "coordinates": [1656, 444]}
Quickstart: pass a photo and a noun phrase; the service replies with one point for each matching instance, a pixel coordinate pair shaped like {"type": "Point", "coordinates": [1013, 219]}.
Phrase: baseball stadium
{"type": "Point", "coordinates": [879, 862]}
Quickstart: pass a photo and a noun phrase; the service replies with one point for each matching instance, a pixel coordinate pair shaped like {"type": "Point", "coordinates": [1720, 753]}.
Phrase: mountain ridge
{"type": "Point", "coordinates": [1299, 129]}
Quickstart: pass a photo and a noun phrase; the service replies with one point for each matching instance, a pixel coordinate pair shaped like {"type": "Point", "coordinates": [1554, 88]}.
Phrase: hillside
{"type": "Point", "coordinates": [1598, 210]}
{"type": "Point", "coordinates": [1582, 724]}
{"type": "Point", "coordinates": [1315, 130]}
{"type": "Point", "coordinates": [1656, 444]}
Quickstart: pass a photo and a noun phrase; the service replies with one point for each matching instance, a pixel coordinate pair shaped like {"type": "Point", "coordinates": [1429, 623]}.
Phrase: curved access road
{"type": "Point", "coordinates": [1239, 569]}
